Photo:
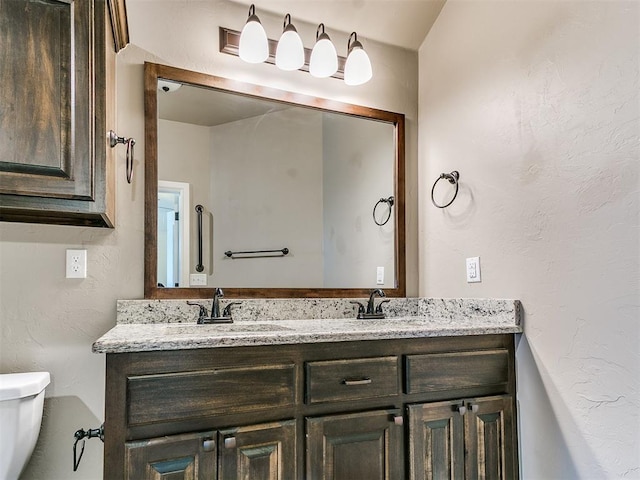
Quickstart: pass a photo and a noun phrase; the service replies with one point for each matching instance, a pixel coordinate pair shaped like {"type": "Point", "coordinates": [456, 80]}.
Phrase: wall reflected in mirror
{"type": "Point", "coordinates": [270, 176]}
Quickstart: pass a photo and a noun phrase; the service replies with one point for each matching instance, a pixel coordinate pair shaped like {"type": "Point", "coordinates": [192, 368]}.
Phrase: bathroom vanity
{"type": "Point", "coordinates": [424, 395]}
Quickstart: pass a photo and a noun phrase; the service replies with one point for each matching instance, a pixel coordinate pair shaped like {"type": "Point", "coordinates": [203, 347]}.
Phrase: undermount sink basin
{"type": "Point", "coordinates": [222, 328]}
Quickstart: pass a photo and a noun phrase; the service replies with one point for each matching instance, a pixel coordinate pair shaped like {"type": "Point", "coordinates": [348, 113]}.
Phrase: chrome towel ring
{"type": "Point", "coordinates": [114, 140]}
{"type": "Point", "coordinates": [452, 178]}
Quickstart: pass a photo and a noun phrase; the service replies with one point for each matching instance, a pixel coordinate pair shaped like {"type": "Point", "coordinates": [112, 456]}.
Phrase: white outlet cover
{"type": "Point", "coordinates": [198, 279]}
{"type": "Point", "coordinates": [473, 270]}
{"type": "Point", "coordinates": [76, 265]}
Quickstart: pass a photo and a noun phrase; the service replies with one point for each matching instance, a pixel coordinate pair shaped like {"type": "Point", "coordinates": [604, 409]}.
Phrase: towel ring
{"type": "Point", "coordinates": [114, 140]}
{"type": "Point", "coordinates": [452, 178]}
{"type": "Point", "coordinates": [390, 201]}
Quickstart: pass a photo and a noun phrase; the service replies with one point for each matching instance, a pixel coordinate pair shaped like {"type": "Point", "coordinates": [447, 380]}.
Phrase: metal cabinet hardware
{"type": "Point", "coordinates": [356, 381]}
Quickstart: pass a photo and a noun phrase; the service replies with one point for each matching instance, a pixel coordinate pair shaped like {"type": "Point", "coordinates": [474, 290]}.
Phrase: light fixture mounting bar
{"type": "Point", "coordinates": [230, 42]}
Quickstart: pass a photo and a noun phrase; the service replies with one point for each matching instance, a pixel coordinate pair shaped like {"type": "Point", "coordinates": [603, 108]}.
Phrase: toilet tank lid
{"type": "Point", "coordinates": [21, 385]}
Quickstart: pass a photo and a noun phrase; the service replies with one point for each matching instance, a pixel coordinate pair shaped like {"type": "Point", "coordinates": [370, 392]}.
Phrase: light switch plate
{"type": "Point", "coordinates": [380, 276]}
{"type": "Point", "coordinates": [473, 270]}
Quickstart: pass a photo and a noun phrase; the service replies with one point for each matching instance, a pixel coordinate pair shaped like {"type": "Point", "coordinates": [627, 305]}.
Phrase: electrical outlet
{"type": "Point", "coordinates": [198, 279]}
{"type": "Point", "coordinates": [473, 270]}
{"type": "Point", "coordinates": [76, 264]}
{"type": "Point", "coordinates": [380, 276]}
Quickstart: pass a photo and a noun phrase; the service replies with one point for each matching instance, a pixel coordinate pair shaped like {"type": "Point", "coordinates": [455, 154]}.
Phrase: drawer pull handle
{"type": "Point", "coordinates": [474, 407]}
{"type": "Point", "coordinates": [462, 409]}
{"type": "Point", "coordinates": [230, 442]}
{"type": "Point", "coordinates": [349, 382]}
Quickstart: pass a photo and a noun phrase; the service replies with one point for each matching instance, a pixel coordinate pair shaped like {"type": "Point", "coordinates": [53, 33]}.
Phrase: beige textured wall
{"type": "Point", "coordinates": [48, 322]}
{"type": "Point", "coordinates": [536, 104]}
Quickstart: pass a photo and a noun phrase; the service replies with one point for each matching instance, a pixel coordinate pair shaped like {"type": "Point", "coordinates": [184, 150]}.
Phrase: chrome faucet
{"type": "Point", "coordinates": [372, 312]}
{"type": "Point", "coordinates": [215, 316]}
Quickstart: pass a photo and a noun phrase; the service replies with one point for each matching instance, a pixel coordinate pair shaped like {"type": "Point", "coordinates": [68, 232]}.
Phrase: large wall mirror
{"type": "Point", "coordinates": [268, 193]}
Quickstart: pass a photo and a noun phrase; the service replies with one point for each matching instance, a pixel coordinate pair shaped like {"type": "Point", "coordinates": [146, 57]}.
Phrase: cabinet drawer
{"type": "Point", "coordinates": [180, 396]}
{"type": "Point", "coordinates": [354, 379]}
{"type": "Point", "coordinates": [457, 370]}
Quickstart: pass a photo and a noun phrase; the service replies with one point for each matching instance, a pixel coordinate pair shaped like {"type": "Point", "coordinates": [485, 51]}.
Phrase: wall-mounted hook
{"type": "Point", "coordinates": [114, 140]}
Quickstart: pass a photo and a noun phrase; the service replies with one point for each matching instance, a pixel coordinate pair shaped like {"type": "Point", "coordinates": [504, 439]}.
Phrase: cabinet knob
{"type": "Point", "coordinates": [462, 409]}
{"type": "Point", "coordinates": [398, 420]}
{"type": "Point", "coordinates": [474, 407]}
{"type": "Point", "coordinates": [230, 442]}
{"type": "Point", "coordinates": [209, 445]}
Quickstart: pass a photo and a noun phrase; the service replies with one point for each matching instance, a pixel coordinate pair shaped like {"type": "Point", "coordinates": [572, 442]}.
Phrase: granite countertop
{"type": "Point", "coordinates": [437, 319]}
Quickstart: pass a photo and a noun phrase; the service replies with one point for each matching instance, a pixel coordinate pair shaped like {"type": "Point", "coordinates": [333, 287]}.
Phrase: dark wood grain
{"type": "Point", "coordinates": [359, 445]}
{"type": "Point", "coordinates": [209, 392]}
{"type": "Point", "coordinates": [446, 371]}
{"type": "Point", "coordinates": [436, 441]}
{"type": "Point", "coordinates": [55, 109]}
{"type": "Point", "coordinates": [258, 452]}
{"type": "Point", "coordinates": [181, 457]}
{"type": "Point", "coordinates": [155, 71]}
{"type": "Point", "coordinates": [353, 379]}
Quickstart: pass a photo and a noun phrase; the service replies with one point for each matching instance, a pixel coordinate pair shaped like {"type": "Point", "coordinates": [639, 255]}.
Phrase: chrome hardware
{"type": "Point", "coordinates": [474, 407]}
{"type": "Point", "coordinates": [203, 311]}
{"type": "Point", "coordinates": [349, 382]}
{"type": "Point", "coordinates": [199, 210]}
{"type": "Point", "coordinates": [462, 409]}
{"type": "Point", "coordinates": [398, 420]}
{"type": "Point", "coordinates": [114, 140]}
{"type": "Point", "coordinates": [209, 445]}
{"type": "Point", "coordinates": [230, 442]}
{"type": "Point", "coordinates": [227, 310]}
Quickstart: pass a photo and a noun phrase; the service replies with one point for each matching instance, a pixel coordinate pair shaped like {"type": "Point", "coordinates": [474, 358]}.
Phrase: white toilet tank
{"type": "Point", "coordinates": [21, 403]}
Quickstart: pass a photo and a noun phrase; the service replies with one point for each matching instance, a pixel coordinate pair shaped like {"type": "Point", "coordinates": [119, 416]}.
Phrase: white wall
{"type": "Point", "coordinates": [536, 104]}
{"type": "Point", "coordinates": [267, 178]}
{"type": "Point", "coordinates": [357, 174]}
{"type": "Point", "coordinates": [48, 322]}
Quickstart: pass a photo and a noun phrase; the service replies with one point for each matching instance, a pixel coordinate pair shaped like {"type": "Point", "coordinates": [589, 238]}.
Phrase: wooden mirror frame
{"type": "Point", "coordinates": [153, 72]}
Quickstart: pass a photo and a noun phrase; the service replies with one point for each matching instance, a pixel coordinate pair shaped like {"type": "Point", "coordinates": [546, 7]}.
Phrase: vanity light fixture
{"type": "Point", "coordinates": [324, 58]}
{"type": "Point", "coordinates": [254, 46]}
{"type": "Point", "coordinates": [290, 51]}
{"type": "Point", "coordinates": [357, 69]}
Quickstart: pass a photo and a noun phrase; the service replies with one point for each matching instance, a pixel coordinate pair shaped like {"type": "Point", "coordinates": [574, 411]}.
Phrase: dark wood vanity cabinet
{"type": "Point", "coordinates": [433, 408]}
{"type": "Point", "coordinates": [57, 103]}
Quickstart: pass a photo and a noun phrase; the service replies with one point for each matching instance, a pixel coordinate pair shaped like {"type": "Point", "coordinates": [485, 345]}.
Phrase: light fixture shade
{"type": "Point", "coordinates": [290, 51]}
{"type": "Point", "coordinates": [357, 69]}
{"type": "Point", "coordinates": [324, 58]}
{"type": "Point", "coordinates": [254, 46]}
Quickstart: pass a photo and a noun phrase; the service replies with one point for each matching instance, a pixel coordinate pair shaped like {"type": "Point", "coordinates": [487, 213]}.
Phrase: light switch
{"type": "Point", "coordinates": [380, 276]}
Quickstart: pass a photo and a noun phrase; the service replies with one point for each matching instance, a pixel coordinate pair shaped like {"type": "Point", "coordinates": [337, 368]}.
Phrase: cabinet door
{"type": "Point", "coordinates": [491, 439]}
{"type": "Point", "coordinates": [356, 446]}
{"type": "Point", "coordinates": [55, 166]}
{"type": "Point", "coordinates": [258, 452]}
{"type": "Point", "coordinates": [436, 441]}
{"type": "Point", "coordinates": [179, 457]}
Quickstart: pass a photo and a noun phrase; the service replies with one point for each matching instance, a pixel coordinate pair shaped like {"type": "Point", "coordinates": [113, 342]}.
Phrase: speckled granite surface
{"type": "Point", "coordinates": [147, 325]}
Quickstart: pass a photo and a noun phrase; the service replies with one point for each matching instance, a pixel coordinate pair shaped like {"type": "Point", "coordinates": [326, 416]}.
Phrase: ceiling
{"type": "Point", "coordinates": [403, 23]}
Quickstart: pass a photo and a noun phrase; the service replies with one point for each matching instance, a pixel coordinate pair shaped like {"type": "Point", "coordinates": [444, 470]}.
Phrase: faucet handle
{"type": "Point", "coordinates": [361, 308]}
{"type": "Point", "coordinates": [379, 307]}
{"type": "Point", "coordinates": [227, 310]}
{"type": "Point", "coordinates": [203, 311]}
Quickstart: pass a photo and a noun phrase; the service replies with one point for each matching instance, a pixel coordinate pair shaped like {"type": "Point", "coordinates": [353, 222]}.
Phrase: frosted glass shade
{"type": "Point", "coordinates": [324, 58]}
{"type": "Point", "coordinates": [357, 69]}
{"type": "Point", "coordinates": [290, 51]}
{"type": "Point", "coordinates": [254, 47]}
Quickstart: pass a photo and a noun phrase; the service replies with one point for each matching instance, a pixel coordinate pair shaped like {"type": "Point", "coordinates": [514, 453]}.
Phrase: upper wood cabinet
{"type": "Point", "coordinates": [57, 103]}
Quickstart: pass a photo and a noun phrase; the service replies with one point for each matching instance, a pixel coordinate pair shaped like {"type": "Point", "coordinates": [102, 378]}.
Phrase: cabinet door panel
{"type": "Point", "coordinates": [436, 441]}
{"type": "Point", "coordinates": [258, 452]}
{"type": "Point", "coordinates": [179, 457]}
{"type": "Point", "coordinates": [360, 445]}
{"type": "Point", "coordinates": [491, 439]}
